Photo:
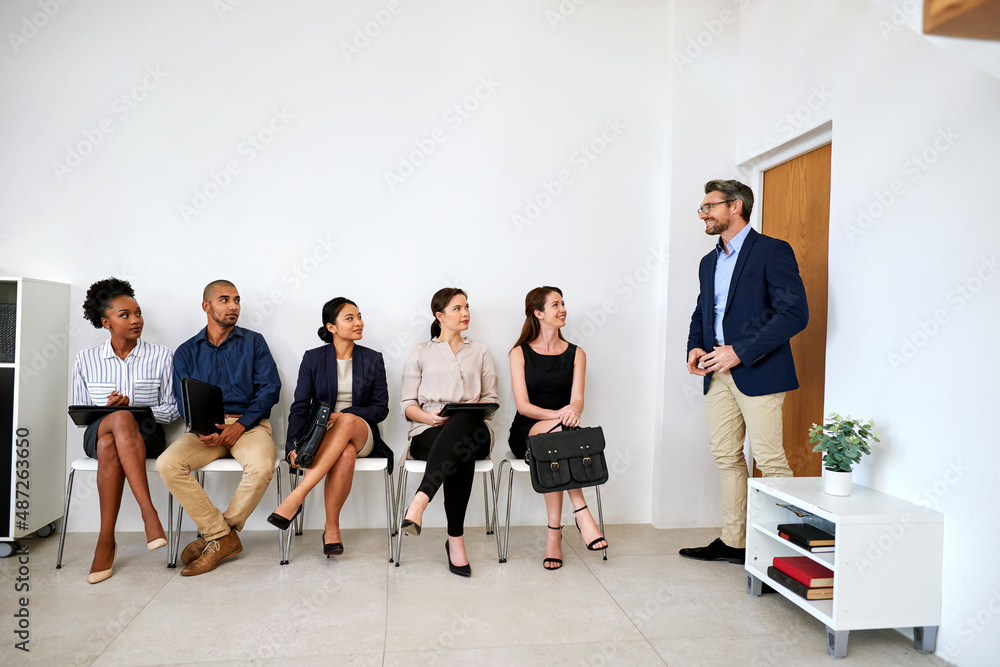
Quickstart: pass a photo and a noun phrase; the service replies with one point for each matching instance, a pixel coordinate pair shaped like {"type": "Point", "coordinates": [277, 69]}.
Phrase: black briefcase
{"type": "Point", "coordinates": [568, 459]}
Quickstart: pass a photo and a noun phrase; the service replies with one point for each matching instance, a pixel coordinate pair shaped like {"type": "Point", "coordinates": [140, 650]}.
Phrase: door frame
{"type": "Point", "coordinates": [791, 149]}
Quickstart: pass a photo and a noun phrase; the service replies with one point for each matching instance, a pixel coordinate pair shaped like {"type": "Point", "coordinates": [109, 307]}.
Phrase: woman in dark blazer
{"type": "Point", "coordinates": [351, 378]}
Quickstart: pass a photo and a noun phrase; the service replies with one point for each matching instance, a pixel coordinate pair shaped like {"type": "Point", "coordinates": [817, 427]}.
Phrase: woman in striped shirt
{"type": "Point", "coordinates": [123, 371]}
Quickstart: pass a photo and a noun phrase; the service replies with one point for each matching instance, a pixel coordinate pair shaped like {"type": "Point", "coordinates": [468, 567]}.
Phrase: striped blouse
{"type": "Point", "coordinates": [146, 376]}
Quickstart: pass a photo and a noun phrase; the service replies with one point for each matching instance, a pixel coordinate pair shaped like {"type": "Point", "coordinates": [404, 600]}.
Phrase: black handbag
{"type": "Point", "coordinates": [567, 459]}
{"type": "Point", "coordinates": [308, 443]}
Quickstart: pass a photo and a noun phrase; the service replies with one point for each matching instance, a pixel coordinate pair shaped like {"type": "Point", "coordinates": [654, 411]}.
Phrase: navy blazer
{"type": "Point", "coordinates": [318, 379]}
{"type": "Point", "coordinates": [765, 308]}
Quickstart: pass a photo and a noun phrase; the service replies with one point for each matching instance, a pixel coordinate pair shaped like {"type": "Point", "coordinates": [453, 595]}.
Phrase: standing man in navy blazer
{"type": "Point", "coordinates": [751, 303]}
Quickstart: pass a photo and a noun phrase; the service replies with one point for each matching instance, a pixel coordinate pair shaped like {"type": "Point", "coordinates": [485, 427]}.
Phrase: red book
{"type": "Point", "coordinates": [805, 570]}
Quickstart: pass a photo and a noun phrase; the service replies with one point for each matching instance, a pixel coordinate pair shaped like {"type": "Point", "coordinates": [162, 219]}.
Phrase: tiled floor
{"type": "Point", "coordinates": [644, 606]}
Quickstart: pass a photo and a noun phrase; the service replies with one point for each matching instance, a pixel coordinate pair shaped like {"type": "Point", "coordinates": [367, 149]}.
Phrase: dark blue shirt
{"type": "Point", "coordinates": [242, 366]}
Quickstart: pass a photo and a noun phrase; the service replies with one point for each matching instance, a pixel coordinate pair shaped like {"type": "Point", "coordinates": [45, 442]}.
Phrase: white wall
{"type": "Point", "coordinates": [905, 346]}
{"type": "Point", "coordinates": [554, 83]}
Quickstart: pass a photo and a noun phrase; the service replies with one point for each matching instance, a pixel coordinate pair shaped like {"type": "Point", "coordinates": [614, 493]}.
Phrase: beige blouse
{"type": "Point", "coordinates": [434, 375]}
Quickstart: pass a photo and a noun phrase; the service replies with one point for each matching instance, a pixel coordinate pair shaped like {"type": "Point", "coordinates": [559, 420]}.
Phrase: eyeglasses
{"type": "Point", "coordinates": [707, 208]}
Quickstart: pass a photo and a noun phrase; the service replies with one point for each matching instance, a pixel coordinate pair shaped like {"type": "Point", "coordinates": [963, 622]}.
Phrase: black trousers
{"type": "Point", "coordinates": [451, 451]}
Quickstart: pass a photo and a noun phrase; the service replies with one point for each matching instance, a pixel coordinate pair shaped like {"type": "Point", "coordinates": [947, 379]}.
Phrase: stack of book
{"type": "Point", "coordinates": [807, 536]}
{"type": "Point", "coordinates": [803, 576]}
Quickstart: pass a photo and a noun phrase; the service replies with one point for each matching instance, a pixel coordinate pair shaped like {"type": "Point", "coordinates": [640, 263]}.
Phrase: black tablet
{"type": "Point", "coordinates": [483, 410]}
{"type": "Point", "coordinates": [203, 407]}
{"type": "Point", "coordinates": [85, 415]}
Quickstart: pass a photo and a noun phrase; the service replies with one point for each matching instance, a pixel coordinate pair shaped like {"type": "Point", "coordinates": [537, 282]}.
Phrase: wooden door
{"type": "Point", "coordinates": [796, 208]}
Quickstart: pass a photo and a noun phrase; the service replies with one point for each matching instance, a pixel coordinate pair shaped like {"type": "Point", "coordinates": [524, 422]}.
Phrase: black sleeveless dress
{"type": "Point", "coordinates": [549, 379]}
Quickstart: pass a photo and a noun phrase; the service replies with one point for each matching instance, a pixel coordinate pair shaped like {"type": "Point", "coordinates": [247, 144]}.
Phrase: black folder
{"type": "Point", "coordinates": [85, 415]}
{"type": "Point", "coordinates": [203, 407]}
{"type": "Point", "coordinates": [482, 410]}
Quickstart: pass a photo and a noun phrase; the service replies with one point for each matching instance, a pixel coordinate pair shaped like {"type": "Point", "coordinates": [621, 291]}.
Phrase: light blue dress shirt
{"type": "Point", "coordinates": [724, 265]}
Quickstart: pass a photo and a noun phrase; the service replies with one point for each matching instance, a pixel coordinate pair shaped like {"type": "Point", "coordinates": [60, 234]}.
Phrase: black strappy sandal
{"type": "Point", "coordinates": [557, 561]}
{"type": "Point", "coordinates": [590, 547]}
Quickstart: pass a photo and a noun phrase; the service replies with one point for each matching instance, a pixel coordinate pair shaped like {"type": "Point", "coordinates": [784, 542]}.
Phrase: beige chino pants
{"type": "Point", "coordinates": [255, 452]}
{"type": "Point", "coordinates": [731, 413]}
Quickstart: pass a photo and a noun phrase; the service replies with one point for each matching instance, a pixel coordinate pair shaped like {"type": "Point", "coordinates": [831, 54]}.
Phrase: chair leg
{"type": "Point", "coordinates": [284, 536]}
{"type": "Point", "coordinates": [486, 507]}
{"type": "Point", "coordinates": [300, 520]}
{"type": "Point", "coordinates": [397, 504]}
{"type": "Point", "coordinates": [177, 532]}
{"type": "Point", "coordinates": [172, 537]}
{"type": "Point", "coordinates": [600, 518]}
{"type": "Point", "coordinates": [399, 514]}
{"type": "Point", "coordinates": [62, 533]}
{"type": "Point", "coordinates": [496, 526]}
{"type": "Point", "coordinates": [506, 526]}
{"type": "Point", "coordinates": [388, 511]}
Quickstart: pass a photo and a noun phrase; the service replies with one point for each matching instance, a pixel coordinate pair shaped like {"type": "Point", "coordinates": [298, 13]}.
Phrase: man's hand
{"type": "Point", "coordinates": [719, 360]}
{"type": "Point", "coordinates": [230, 434]}
{"type": "Point", "coordinates": [694, 356]}
{"type": "Point", "coordinates": [116, 399]}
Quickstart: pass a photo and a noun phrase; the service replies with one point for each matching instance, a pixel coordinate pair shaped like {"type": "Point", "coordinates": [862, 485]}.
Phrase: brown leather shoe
{"type": "Point", "coordinates": [193, 551]}
{"type": "Point", "coordinates": [215, 552]}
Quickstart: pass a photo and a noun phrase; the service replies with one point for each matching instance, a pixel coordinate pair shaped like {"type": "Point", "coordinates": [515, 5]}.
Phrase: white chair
{"type": "Point", "coordinates": [418, 467]}
{"type": "Point", "coordinates": [515, 464]}
{"type": "Point", "coordinates": [373, 464]}
{"type": "Point", "coordinates": [229, 465]}
{"type": "Point", "coordinates": [87, 464]}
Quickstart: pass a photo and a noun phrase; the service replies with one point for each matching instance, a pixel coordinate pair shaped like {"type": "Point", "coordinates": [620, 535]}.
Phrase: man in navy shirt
{"type": "Point", "coordinates": [238, 361]}
{"type": "Point", "coordinates": [751, 304]}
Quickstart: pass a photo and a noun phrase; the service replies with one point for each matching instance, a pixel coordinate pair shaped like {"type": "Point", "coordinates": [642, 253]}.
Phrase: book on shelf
{"type": "Point", "coordinates": [806, 536]}
{"type": "Point", "coordinates": [805, 570]}
{"type": "Point", "coordinates": [823, 593]}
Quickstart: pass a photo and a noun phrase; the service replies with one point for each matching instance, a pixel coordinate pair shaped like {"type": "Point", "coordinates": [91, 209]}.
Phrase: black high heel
{"type": "Point", "coordinates": [281, 522]}
{"type": "Point", "coordinates": [460, 570]}
{"type": "Point", "coordinates": [590, 547]}
{"type": "Point", "coordinates": [332, 548]}
{"type": "Point", "coordinates": [410, 527]}
{"type": "Point", "coordinates": [557, 561]}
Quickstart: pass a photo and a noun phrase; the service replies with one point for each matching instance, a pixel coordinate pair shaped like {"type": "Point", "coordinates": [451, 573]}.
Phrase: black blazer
{"type": "Point", "coordinates": [765, 308]}
{"type": "Point", "coordinates": [318, 379]}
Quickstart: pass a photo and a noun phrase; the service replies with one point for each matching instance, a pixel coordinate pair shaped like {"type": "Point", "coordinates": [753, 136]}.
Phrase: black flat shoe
{"type": "Point", "coordinates": [460, 570]}
{"type": "Point", "coordinates": [332, 548]}
{"type": "Point", "coordinates": [590, 547]}
{"type": "Point", "coordinates": [410, 527]}
{"type": "Point", "coordinates": [717, 550]}
{"type": "Point", "coordinates": [556, 561]}
{"type": "Point", "coordinates": [281, 522]}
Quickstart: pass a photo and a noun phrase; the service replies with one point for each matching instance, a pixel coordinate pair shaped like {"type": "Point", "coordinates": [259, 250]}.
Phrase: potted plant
{"type": "Point", "coordinates": [843, 441]}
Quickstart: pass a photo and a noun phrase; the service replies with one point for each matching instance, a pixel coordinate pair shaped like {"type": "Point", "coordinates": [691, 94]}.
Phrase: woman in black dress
{"type": "Point", "coordinates": [547, 374]}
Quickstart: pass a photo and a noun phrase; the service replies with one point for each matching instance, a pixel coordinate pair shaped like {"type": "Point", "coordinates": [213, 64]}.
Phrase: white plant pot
{"type": "Point", "coordinates": [837, 483]}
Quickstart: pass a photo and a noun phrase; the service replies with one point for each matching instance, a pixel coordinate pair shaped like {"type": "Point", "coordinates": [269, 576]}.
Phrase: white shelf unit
{"type": "Point", "coordinates": [33, 390]}
{"type": "Point", "coordinates": [886, 560]}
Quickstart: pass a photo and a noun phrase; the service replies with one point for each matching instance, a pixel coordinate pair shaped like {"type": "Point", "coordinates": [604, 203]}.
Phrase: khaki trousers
{"type": "Point", "coordinates": [255, 452]}
{"type": "Point", "coordinates": [731, 413]}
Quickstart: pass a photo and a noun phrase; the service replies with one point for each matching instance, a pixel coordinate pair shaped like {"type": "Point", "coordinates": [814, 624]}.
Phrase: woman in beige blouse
{"type": "Point", "coordinates": [447, 369]}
